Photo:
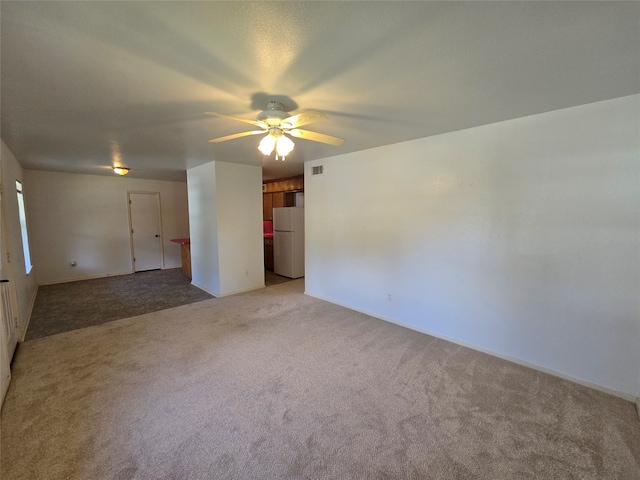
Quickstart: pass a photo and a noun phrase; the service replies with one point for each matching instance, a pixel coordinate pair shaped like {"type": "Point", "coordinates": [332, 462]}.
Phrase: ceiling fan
{"type": "Point", "coordinates": [276, 123]}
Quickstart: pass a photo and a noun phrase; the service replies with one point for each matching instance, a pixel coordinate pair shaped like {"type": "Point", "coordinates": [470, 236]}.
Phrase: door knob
{"type": "Point", "coordinates": [157, 236]}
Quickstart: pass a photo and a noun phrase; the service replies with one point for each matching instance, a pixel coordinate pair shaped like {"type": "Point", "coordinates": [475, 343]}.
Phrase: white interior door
{"type": "Point", "coordinates": [146, 231]}
{"type": "Point", "coordinates": [7, 332]}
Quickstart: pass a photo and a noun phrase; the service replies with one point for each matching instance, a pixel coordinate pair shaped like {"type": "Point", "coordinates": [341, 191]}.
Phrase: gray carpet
{"type": "Point", "coordinates": [69, 306]}
{"type": "Point", "coordinates": [273, 384]}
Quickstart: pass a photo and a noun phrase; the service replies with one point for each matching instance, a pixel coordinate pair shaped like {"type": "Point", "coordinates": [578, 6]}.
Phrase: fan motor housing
{"type": "Point", "coordinates": [273, 115]}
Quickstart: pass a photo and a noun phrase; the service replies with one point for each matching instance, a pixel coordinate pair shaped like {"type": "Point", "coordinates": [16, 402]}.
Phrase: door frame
{"type": "Point", "coordinates": [18, 330]}
{"type": "Point", "coordinates": [5, 336]}
{"type": "Point", "coordinates": [159, 210]}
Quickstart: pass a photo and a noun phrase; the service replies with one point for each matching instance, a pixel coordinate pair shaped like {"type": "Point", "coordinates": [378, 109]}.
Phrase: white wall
{"type": "Point", "coordinates": [25, 285]}
{"type": "Point", "coordinates": [203, 225]}
{"type": "Point", "coordinates": [520, 238]}
{"type": "Point", "coordinates": [84, 218]}
{"type": "Point", "coordinates": [226, 227]}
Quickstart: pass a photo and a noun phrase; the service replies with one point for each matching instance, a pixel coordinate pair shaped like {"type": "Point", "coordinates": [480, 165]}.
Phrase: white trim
{"type": "Point", "coordinates": [615, 393]}
{"type": "Point", "coordinates": [170, 267]}
{"type": "Point", "coordinates": [91, 277]}
{"type": "Point", "coordinates": [32, 303]}
{"type": "Point", "coordinates": [235, 292]}
{"type": "Point", "coordinates": [219, 295]}
{"type": "Point", "coordinates": [206, 290]}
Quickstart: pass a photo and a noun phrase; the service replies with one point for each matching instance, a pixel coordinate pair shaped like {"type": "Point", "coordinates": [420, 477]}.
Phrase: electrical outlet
{"type": "Point", "coordinates": [246, 273]}
{"type": "Point", "coordinates": [389, 297]}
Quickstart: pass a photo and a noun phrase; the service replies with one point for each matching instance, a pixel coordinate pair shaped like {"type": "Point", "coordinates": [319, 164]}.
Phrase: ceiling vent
{"type": "Point", "coordinates": [317, 170]}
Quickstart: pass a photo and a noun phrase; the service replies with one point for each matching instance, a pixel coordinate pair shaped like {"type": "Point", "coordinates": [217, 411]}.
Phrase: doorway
{"type": "Point", "coordinates": [145, 223]}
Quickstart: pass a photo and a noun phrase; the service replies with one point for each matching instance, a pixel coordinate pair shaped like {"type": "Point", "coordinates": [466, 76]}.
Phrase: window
{"type": "Point", "coordinates": [23, 228]}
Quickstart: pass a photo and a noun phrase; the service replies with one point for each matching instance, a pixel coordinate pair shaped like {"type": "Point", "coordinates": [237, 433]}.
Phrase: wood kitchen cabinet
{"type": "Point", "coordinates": [185, 255]}
{"type": "Point", "coordinates": [276, 200]}
{"type": "Point", "coordinates": [291, 184]}
{"type": "Point", "coordinates": [289, 199]}
{"type": "Point", "coordinates": [267, 206]}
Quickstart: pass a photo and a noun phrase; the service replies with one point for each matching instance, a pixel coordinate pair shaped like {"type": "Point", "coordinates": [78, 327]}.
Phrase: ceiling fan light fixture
{"type": "Point", "coordinates": [277, 124]}
{"type": "Point", "coordinates": [277, 141]}
{"type": "Point", "coordinates": [121, 170]}
{"type": "Point", "coordinates": [284, 146]}
{"type": "Point", "coordinates": [267, 144]}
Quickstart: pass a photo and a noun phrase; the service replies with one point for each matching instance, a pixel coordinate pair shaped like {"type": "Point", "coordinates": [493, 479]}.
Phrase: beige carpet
{"type": "Point", "coordinates": [273, 384]}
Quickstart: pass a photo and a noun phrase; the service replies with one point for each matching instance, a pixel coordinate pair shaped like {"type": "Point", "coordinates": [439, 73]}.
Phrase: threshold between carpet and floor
{"type": "Point", "coordinates": [273, 384]}
{"type": "Point", "coordinates": [63, 307]}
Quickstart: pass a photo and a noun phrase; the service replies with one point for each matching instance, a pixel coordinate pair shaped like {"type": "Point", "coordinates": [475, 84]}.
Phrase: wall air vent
{"type": "Point", "coordinates": [317, 170]}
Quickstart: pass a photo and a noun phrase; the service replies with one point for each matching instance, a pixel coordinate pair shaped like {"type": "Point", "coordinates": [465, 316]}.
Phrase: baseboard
{"type": "Point", "coordinates": [615, 393]}
{"type": "Point", "coordinates": [638, 406]}
{"type": "Point", "coordinates": [242, 291]}
{"type": "Point", "coordinates": [32, 303]}
{"type": "Point", "coordinates": [171, 267]}
{"type": "Point", "coordinates": [227, 294]}
{"type": "Point", "coordinates": [215, 294]}
{"type": "Point", "coordinates": [91, 277]}
{"type": "Point", "coordinates": [13, 357]}
{"type": "Point", "coordinates": [3, 394]}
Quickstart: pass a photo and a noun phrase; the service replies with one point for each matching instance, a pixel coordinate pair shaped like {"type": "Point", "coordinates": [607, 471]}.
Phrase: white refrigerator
{"type": "Point", "coordinates": [288, 242]}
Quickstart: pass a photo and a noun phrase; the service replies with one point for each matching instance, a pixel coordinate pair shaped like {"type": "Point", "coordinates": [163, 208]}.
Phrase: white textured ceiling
{"type": "Point", "coordinates": [85, 85]}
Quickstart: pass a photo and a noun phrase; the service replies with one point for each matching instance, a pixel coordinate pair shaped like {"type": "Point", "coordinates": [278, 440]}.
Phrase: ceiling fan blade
{"type": "Point", "coordinates": [304, 118]}
{"type": "Point", "coordinates": [316, 137]}
{"type": "Point", "coordinates": [239, 119]}
{"type": "Point", "coordinates": [236, 135]}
